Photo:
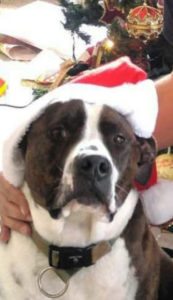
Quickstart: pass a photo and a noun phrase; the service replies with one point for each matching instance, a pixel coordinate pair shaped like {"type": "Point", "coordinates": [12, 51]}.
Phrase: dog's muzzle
{"type": "Point", "coordinates": [91, 176]}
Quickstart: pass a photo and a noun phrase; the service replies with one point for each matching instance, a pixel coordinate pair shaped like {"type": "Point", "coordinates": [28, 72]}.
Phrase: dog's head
{"type": "Point", "coordinates": [80, 164]}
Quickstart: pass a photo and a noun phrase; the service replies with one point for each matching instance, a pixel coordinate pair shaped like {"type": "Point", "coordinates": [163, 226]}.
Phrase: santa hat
{"type": "Point", "coordinates": [113, 74]}
{"type": "Point", "coordinates": [119, 84]}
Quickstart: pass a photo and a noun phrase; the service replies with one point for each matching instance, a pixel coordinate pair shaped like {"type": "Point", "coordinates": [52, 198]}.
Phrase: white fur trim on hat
{"type": "Point", "coordinates": [137, 102]}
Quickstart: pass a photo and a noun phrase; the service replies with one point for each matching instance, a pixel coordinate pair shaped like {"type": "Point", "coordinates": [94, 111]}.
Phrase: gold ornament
{"type": "Point", "coordinates": [164, 163]}
{"type": "Point", "coordinates": [145, 22]}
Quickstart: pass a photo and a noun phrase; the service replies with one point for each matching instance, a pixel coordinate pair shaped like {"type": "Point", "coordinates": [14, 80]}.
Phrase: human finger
{"type": "Point", "coordinates": [20, 226]}
{"type": "Point", "coordinates": [12, 210]}
{"type": "Point", "coordinates": [14, 195]}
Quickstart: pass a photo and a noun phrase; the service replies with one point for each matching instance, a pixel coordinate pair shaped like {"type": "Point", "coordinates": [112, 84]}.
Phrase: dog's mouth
{"type": "Point", "coordinates": [68, 202]}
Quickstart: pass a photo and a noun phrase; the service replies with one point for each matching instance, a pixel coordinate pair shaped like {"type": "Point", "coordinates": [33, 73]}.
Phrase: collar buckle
{"type": "Point", "coordinates": [70, 257]}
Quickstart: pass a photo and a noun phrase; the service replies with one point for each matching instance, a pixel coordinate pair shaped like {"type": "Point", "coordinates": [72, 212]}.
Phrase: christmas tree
{"type": "Point", "coordinates": [133, 27]}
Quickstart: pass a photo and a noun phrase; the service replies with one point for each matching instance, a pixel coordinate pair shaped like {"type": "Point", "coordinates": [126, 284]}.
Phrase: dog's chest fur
{"type": "Point", "coordinates": [111, 275]}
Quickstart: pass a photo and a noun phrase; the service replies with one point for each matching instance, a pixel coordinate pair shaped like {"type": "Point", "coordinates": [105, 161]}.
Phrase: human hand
{"type": "Point", "coordinates": [14, 211]}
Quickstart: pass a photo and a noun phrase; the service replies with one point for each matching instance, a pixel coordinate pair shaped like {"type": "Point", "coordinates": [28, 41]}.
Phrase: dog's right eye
{"type": "Point", "coordinates": [57, 132]}
{"type": "Point", "coordinates": [119, 139]}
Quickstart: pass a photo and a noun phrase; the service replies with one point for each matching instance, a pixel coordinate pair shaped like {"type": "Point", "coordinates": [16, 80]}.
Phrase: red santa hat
{"type": "Point", "coordinates": [113, 74]}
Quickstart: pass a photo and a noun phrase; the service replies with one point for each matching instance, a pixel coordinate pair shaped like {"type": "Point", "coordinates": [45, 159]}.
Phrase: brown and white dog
{"type": "Point", "coordinates": [80, 162]}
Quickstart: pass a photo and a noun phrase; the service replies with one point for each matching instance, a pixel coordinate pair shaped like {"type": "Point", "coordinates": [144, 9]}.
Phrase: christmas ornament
{"type": "Point", "coordinates": [164, 164]}
{"type": "Point", "coordinates": [145, 22]}
{"type": "Point", "coordinates": [3, 87]}
{"type": "Point", "coordinates": [111, 12]}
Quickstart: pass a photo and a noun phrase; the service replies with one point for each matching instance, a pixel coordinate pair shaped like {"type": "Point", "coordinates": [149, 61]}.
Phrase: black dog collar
{"type": "Point", "coordinates": [69, 258]}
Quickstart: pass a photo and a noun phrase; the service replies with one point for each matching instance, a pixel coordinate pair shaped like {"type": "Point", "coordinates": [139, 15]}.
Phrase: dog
{"type": "Point", "coordinates": [80, 164]}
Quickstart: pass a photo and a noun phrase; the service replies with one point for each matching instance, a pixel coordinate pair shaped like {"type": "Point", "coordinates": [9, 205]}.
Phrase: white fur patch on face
{"type": "Point", "coordinates": [90, 144]}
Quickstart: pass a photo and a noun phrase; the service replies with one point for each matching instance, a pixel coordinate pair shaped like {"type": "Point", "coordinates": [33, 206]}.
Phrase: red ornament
{"type": "Point", "coordinates": [145, 22]}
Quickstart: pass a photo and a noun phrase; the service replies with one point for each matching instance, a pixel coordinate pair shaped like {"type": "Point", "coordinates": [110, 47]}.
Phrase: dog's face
{"type": "Point", "coordinates": [80, 162]}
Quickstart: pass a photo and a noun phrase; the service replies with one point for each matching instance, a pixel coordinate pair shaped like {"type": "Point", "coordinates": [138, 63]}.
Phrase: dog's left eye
{"type": "Point", "coordinates": [58, 132]}
{"type": "Point", "coordinates": [119, 139]}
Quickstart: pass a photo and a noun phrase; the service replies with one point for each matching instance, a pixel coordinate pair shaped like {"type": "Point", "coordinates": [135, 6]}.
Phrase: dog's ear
{"type": "Point", "coordinates": [148, 151]}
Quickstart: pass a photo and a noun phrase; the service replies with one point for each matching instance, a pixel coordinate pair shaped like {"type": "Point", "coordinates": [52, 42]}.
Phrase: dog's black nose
{"type": "Point", "coordinates": [93, 166]}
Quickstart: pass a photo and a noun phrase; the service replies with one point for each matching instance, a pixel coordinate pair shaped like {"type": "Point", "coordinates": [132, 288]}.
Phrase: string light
{"type": "Point", "coordinates": [108, 45]}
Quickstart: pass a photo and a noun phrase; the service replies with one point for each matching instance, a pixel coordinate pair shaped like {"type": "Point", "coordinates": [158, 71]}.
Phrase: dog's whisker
{"type": "Point", "coordinates": [121, 188]}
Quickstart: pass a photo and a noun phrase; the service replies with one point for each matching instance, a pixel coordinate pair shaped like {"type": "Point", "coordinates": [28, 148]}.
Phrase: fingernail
{"type": "Point", "coordinates": [4, 239]}
{"type": "Point", "coordinates": [4, 235]}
